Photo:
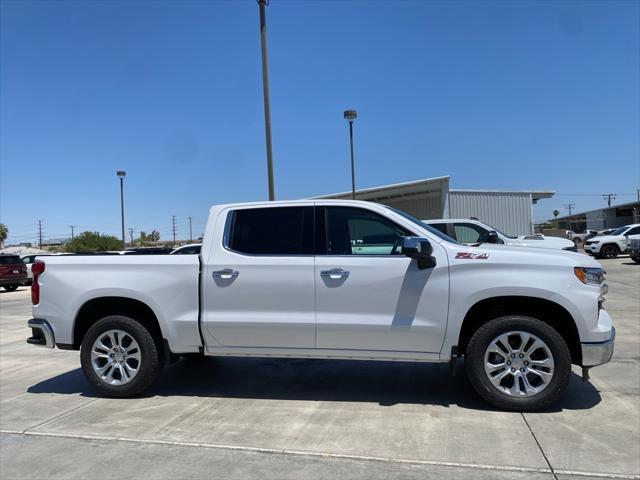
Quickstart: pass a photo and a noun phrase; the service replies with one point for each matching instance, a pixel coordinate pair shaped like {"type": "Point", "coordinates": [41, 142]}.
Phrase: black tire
{"type": "Point", "coordinates": [150, 364]}
{"type": "Point", "coordinates": [609, 251]}
{"type": "Point", "coordinates": [475, 358]}
{"type": "Point", "coordinates": [635, 258]}
{"type": "Point", "coordinates": [11, 288]}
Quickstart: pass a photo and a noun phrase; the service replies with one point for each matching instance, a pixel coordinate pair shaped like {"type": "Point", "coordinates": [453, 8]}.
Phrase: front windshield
{"type": "Point", "coordinates": [619, 231]}
{"type": "Point", "coordinates": [436, 232]}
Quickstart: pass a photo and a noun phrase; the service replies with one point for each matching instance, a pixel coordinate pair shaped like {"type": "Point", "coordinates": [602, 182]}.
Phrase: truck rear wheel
{"type": "Point", "coordinates": [120, 357]}
{"type": "Point", "coordinates": [518, 363]}
{"type": "Point", "coordinates": [11, 288]}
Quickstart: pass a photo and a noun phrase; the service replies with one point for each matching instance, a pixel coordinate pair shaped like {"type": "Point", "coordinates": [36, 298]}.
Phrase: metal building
{"type": "Point", "coordinates": [508, 211]}
{"type": "Point", "coordinates": [601, 218]}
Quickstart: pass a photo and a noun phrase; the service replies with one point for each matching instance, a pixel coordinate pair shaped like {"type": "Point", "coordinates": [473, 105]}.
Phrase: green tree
{"type": "Point", "coordinates": [4, 232]}
{"type": "Point", "coordinates": [148, 238]}
{"type": "Point", "coordinates": [93, 242]}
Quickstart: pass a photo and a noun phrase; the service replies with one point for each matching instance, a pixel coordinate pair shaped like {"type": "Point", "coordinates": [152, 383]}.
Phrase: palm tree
{"type": "Point", "coordinates": [4, 232]}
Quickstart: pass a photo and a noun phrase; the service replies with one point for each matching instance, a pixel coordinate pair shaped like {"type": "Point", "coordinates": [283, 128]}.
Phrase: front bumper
{"type": "Point", "coordinates": [598, 353]}
{"type": "Point", "coordinates": [42, 333]}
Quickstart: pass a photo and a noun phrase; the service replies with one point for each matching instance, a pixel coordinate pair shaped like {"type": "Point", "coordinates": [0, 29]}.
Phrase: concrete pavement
{"type": "Point", "coordinates": [255, 418]}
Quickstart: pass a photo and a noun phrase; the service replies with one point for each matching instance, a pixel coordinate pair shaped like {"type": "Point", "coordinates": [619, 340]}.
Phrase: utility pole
{"type": "Point", "coordinates": [569, 206]}
{"type": "Point", "coordinates": [190, 230]}
{"type": "Point", "coordinates": [40, 234]}
{"type": "Point", "coordinates": [608, 197]}
{"type": "Point", "coordinates": [72, 227]}
{"type": "Point", "coordinates": [173, 228]}
{"type": "Point", "coordinates": [265, 94]}
{"type": "Point", "coordinates": [131, 230]}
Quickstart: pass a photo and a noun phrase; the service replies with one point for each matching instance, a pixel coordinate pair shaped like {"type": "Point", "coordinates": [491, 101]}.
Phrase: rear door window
{"type": "Point", "coordinates": [272, 231]}
{"type": "Point", "coordinates": [9, 260]}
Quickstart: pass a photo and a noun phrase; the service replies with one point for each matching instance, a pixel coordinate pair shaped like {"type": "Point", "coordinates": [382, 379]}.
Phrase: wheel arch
{"type": "Point", "coordinates": [96, 308]}
{"type": "Point", "coordinates": [547, 311]}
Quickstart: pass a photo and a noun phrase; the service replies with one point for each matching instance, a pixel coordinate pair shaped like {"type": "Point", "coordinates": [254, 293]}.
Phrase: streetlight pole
{"type": "Point", "coordinates": [265, 93]}
{"type": "Point", "coordinates": [121, 174]}
{"type": "Point", "coordinates": [350, 116]}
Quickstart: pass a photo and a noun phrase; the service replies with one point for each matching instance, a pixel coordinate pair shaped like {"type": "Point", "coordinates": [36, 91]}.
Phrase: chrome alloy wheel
{"type": "Point", "coordinates": [519, 364]}
{"type": "Point", "coordinates": [115, 357]}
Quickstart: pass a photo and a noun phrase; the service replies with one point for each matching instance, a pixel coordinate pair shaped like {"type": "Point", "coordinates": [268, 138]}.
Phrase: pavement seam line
{"type": "Point", "coordinates": [539, 446]}
{"type": "Point", "coordinates": [616, 476]}
{"type": "Point", "coordinates": [28, 430]}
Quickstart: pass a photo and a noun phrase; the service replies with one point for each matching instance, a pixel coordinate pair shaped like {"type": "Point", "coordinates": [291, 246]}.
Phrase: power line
{"type": "Point", "coordinates": [173, 228]}
{"type": "Point", "coordinates": [131, 230]}
{"type": "Point", "coordinates": [190, 230]}
{"type": "Point", "coordinates": [72, 227]}
{"type": "Point", "coordinates": [569, 206]}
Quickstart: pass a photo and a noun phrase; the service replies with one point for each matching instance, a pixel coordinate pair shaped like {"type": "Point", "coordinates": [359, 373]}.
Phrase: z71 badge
{"type": "Point", "coordinates": [472, 256]}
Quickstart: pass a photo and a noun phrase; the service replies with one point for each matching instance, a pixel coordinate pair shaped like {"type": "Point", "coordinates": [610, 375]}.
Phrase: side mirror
{"type": "Point", "coordinates": [493, 237]}
{"type": "Point", "coordinates": [419, 249]}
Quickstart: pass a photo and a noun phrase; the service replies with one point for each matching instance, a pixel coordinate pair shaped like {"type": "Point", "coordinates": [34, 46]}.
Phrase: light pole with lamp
{"type": "Point", "coordinates": [350, 116]}
{"type": "Point", "coordinates": [121, 174]}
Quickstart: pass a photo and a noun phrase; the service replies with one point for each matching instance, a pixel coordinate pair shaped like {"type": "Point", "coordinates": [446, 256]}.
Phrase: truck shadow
{"type": "Point", "coordinates": [385, 383]}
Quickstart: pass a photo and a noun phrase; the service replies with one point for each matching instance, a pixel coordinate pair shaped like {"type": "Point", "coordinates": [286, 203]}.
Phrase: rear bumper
{"type": "Point", "coordinates": [598, 353]}
{"type": "Point", "coordinates": [13, 280]}
{"type": "Point", "coordinates": [42, 334]}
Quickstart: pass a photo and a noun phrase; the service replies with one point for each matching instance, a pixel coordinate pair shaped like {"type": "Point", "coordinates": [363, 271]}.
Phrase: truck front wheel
{"type": "Point", "coordinates": [518, 363]}
{"type": "Point", "coordinates": [609, 251]}
{"type": "Point", "coordinates": [120, 357]}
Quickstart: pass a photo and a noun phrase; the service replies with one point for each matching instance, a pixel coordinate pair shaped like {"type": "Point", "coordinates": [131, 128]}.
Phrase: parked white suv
{"type": "Point", "coordinates": [330, 279]}
{"type": "Point", "coordinates": [610, 246]}
{"type": "Point", "coordinates": [474, 231]}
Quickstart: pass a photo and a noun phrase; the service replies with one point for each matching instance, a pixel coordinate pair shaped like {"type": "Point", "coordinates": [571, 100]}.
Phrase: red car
{"type": "Point", "coordinates": [13, 272]}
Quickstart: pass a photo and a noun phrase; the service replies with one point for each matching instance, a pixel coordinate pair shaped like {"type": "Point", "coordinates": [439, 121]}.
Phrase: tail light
{"type": "Point", "coordinates": [37, 268]}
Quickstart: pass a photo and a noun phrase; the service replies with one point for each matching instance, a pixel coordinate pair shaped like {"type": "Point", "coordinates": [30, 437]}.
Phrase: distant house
{"type": "Point", "coordinates": [54, 242]}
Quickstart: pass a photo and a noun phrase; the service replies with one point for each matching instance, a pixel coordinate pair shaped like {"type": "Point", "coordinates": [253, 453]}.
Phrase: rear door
{"type": "Point", "coordinates": [259, 280]}
{"type": "Point", "coordinates": [368, 295]}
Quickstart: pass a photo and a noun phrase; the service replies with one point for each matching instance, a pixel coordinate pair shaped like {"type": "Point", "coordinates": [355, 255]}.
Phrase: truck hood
{"type": "Point", "coordinates": [606, 238]}
{"type": "Point", "coordinates": [496, 253]}
{"type": "Point", "coordinates": [543, 242]}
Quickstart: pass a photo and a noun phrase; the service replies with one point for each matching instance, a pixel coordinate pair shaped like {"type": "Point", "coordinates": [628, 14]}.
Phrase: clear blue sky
{"type": "Point", "coordinates": [504, 95]}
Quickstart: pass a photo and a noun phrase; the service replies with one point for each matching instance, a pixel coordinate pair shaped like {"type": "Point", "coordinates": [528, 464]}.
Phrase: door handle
{"type": "Point", "coordinates": [334, 273]}
{"type": "Point", "coordinates": [225, 273]}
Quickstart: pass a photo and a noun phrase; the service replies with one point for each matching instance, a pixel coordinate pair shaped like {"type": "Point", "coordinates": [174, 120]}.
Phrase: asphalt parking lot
{"type": "Point", "coordinates": [254, 418]}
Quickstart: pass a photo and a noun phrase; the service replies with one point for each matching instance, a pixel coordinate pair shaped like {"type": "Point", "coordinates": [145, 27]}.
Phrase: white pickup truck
{"type": "Point", "coordinates": [330, 279]}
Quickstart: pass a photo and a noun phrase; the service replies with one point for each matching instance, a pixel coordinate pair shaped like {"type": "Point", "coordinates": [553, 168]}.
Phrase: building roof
{"type": "Point", "coordinates": [426, 185]}
{"type": "Point", "coordinates": [535, 194]}
{"type": "Point", "coordinates": [396, 190]}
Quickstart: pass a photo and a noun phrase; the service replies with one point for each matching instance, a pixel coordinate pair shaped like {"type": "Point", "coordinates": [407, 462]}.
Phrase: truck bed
{"type": "Point", "coordinates": [168, 284]}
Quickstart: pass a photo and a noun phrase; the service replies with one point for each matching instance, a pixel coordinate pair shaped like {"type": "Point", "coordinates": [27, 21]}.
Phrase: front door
{"type": "Point", "coordinates": [368, 295]}
{"type": "Point", "coordinates": [259, 284]}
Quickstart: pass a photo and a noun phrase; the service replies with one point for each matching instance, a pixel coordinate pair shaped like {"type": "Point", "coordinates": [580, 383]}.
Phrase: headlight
{"type": "Point", "coordinates": [590, 276]}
